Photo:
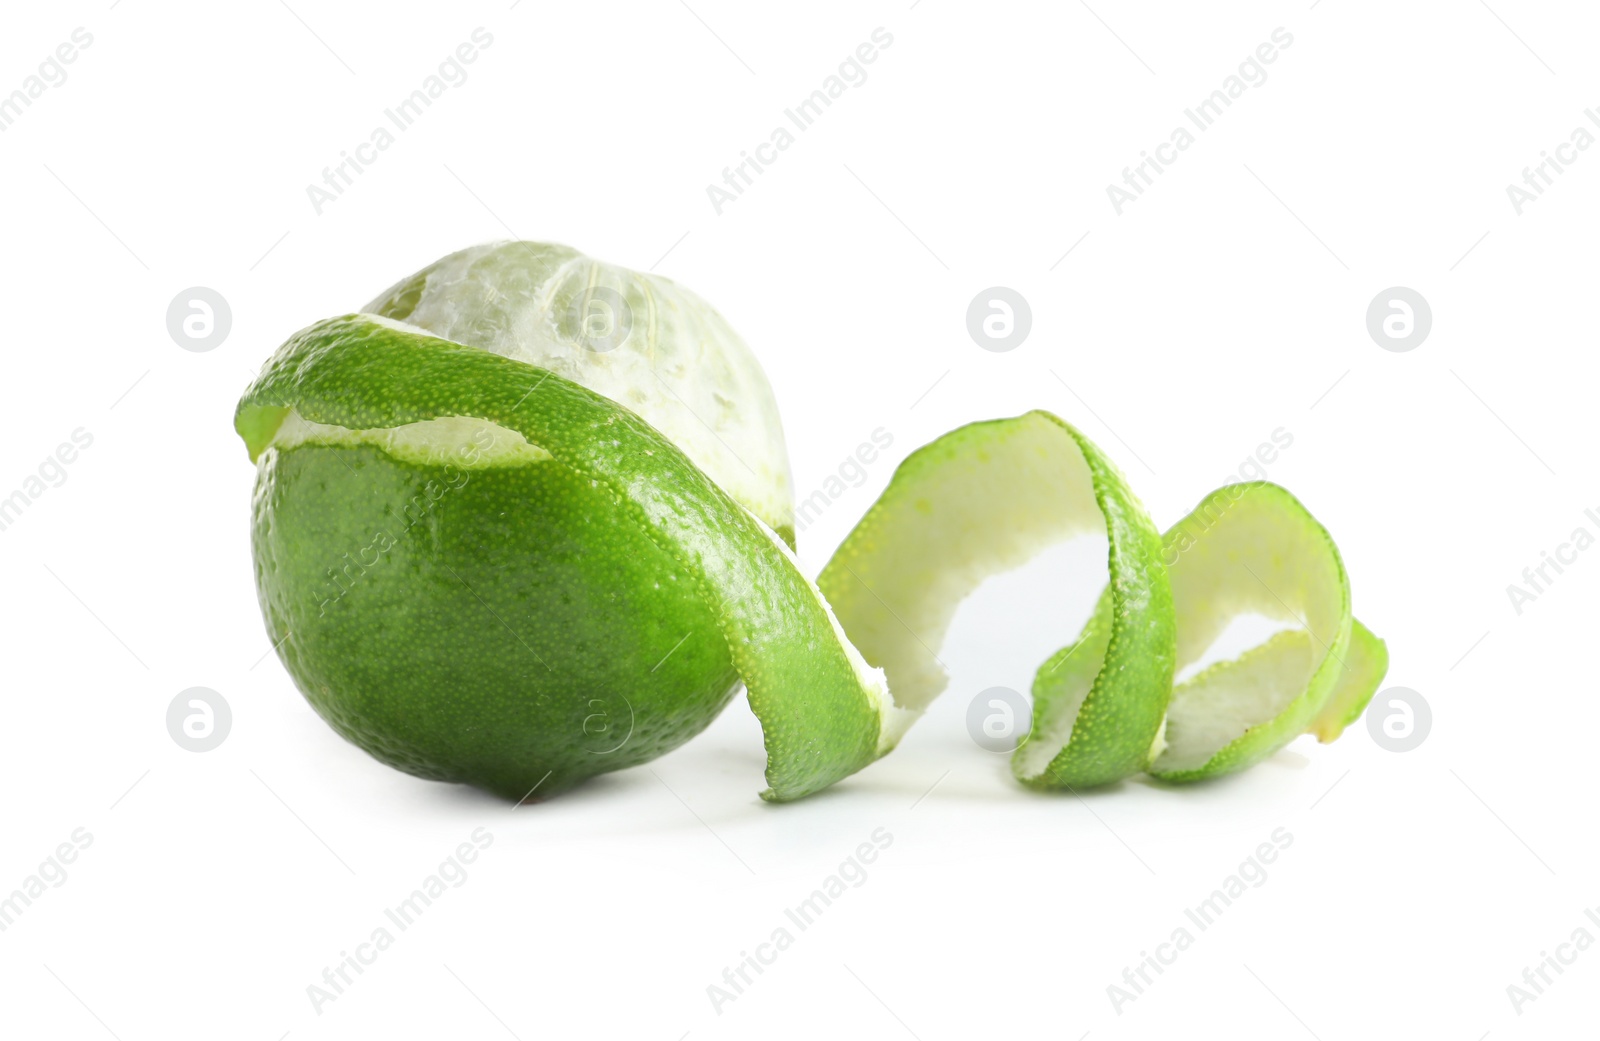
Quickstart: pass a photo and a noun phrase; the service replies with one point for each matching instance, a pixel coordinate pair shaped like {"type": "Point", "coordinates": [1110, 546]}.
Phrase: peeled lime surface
{"type": "Point", "coordinates": [641, 340]}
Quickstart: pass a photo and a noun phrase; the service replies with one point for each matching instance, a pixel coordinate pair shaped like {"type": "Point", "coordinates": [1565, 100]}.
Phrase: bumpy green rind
{"type": "Point", "coordinates": [504, 627]}
{"type": "Point", "coordinates": [1121, 715]}
{"type": "Point", "coordinates": [819, 723]}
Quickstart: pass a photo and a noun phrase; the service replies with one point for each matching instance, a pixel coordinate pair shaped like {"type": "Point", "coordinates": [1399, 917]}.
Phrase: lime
{"type": "Point", "coordinates": [447, 594]}
{"type": "Point", "coordinates": [529, 518]}
{"type": "Point", "coordinates": [464, 621]}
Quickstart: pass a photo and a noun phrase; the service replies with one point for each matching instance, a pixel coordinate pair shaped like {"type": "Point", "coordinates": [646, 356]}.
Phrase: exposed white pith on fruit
{"type": "Point", "coordinates": [1249, 550]}
{"type": "Point", "coordinates": [639, 339]}
{"type": "Point", "coordinates": [460, 441]}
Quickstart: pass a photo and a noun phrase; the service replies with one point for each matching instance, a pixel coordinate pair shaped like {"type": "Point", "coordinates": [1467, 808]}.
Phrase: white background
{"type": "Point", "coordinates": [1223, 304]}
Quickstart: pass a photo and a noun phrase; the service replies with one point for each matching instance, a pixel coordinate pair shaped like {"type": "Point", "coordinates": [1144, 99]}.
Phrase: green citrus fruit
{"type": "Point", "coordinates": [528, 518]}
{"type": "Point", "coordinates": [470, 595]}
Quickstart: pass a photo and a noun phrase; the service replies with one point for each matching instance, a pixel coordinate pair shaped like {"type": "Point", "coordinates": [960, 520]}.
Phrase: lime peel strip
{"type": "Point", "coordinates": [933, 537]}
{"type": "Point", "coordinates": [1253, 548]}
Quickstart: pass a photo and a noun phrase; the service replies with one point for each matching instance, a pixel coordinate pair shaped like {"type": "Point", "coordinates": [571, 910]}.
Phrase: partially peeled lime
{"type": "Point", "coordinates": [528, 518]}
